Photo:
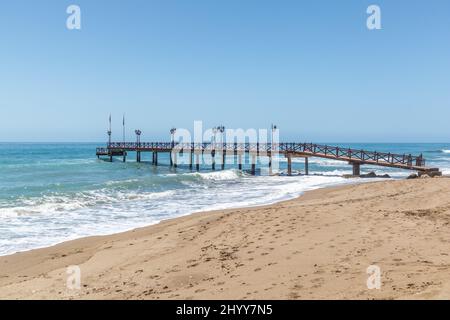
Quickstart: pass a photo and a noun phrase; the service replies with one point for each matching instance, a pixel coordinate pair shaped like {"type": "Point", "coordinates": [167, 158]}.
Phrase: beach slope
{"type": "Point", "coordinates": [318, 246]}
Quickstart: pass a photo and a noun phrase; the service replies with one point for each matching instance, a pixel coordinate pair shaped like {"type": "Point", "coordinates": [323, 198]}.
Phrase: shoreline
{"type": "Point", "coordinates": [286, 198]}
{"type": "Point", "coordinates": [178, 253]}
{"type": "Point", "coordinates": [302, 194]}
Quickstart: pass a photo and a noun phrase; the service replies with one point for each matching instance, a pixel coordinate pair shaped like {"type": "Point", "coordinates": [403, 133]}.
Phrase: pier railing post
{"type": "Point", "coordinates": [419, 160]}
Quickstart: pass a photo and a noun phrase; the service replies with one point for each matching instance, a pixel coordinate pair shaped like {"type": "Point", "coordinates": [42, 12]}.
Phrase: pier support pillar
{"type": "Point", "coordinates": [171, 160]}
{"type": "Point", "coordinates": [224, 154]}
{"type": "Point", "coordinates": [110, 158]}
{"type": "Point", "coordinates": [156, 158]}
{"type": "Point", "coordinates": [240, 161]}
{"type": "Point", "coordinates": [306, 166]}
{"type": "Point", "coordinates": [213, 155]}
{"type": "Point", "coordinates": [138, 156]}
{"type": "Point", "coordinates": [356, 169]}
{"type": "Point", "coordinates": [174, 159]}
{"type": "Point", "coordinates": [124, 156]}
{"type": "Point", "coordinates": [197, 161]}
{"type": "Point", "coordinates": [270, 165]}
{"type": "Point", "coordinates": [289, 165]}
{"type": "Point", "coordinates": [253, 165]}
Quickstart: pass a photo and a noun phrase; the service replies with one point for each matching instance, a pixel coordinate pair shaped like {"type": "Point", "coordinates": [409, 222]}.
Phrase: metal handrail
{"type": "Point", "coordinates": [283, 147]}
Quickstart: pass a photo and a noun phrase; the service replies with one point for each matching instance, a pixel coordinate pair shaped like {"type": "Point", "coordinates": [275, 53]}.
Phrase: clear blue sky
{"type": "Point", "coordinates": [312, 67]}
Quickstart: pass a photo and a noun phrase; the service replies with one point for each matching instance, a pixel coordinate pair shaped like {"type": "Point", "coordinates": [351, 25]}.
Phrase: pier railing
{"type": "Point", "coordinates": [102, 151]}
{"type": "Point", "coordinates": [294, 149]}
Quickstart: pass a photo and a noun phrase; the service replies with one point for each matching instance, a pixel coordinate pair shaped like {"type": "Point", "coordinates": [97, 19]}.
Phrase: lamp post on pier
{"type": "Point", "coordinates": [172, 139]}
{"type": "Point", "coordinates": [222, 130]}
{"type": "Point", "coordinates": [172, 136]}
{"type": "Point", "coordinates": [274, 128]}
{"type": "Point", "coordinates": [213, 147]}
{"type": "Point", "coordinates": [109, 132]}
{"type": "Point", "coordinates": [214, 131]}
{"type": "Point", "coordinates": [123, 130]}
{"type": "Point", "coordinates": [138, 145]}
{"type": "Point", "coordinates": [138, 137]}
{"type": "Point", "coordinates": [272, 131]}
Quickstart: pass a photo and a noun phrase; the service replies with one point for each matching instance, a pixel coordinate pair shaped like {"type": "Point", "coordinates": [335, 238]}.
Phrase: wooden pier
{"type": "Point", "coordinates": [354, 157]}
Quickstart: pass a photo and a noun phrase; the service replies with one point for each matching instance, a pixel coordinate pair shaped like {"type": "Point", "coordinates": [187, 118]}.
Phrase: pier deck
{"type": "Point", "coordinates": [355, 157]}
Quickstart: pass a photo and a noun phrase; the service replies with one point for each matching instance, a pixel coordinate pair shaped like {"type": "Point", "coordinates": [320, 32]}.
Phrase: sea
{"type": "Point", "coordinates": [54, 192]}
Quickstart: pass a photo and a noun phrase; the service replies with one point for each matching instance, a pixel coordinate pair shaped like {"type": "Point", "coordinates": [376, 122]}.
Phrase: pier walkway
{"type": "Point", "coordinates": [354, 157]}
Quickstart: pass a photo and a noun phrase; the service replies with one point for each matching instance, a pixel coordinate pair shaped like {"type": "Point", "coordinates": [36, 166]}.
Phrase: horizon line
{"type": "Point", "coordinates": [286, 141]}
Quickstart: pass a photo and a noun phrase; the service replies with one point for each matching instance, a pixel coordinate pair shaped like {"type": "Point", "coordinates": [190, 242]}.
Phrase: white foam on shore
{"type": "Point", "coordinates": [48, 220]}
{"type": "Point", "coordinates": [218, 175]}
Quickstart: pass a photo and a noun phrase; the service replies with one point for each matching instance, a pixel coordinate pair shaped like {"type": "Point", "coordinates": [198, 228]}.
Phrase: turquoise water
{"type": "Point", "coordinates": [55, 192]}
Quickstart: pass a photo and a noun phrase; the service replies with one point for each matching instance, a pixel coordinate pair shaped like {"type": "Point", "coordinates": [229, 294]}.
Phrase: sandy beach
{"type": "Point", "coordinates": [317, 246]}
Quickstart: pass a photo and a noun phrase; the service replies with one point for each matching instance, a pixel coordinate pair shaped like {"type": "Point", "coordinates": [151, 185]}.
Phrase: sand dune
{"type": "Point", "coordinates": [315, 247]}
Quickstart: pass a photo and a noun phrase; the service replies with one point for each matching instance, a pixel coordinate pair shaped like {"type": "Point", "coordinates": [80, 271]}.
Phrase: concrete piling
{"type": "Point", "coordinates": [289, 165]}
